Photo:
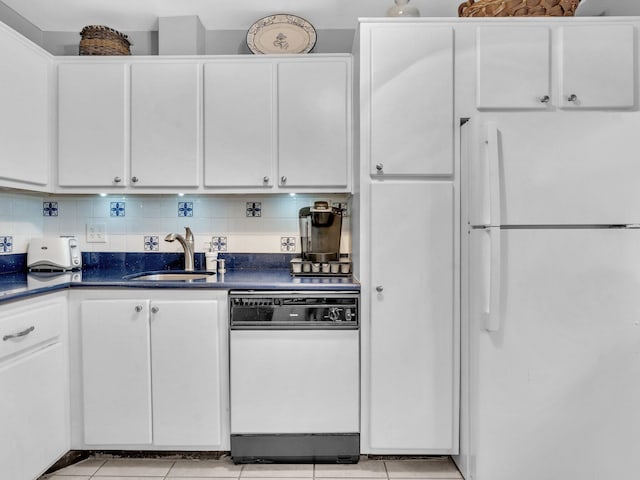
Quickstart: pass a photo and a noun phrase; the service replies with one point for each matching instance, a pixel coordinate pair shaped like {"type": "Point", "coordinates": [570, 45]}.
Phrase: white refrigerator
{"type": "Point", "coordinates": [551, 329]}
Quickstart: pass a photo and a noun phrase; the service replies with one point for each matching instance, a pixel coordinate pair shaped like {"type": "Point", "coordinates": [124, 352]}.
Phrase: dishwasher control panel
{"type": "Point", "coordinates": [269, 309]}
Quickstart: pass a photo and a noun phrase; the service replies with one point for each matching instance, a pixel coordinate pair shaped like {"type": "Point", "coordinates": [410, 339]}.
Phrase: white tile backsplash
{"type": "Point", "coordinates": [21, 216]}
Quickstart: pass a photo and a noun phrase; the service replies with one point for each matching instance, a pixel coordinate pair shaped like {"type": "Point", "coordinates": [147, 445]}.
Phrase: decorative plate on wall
{"type": "Point", "coordinates": [281, 34]}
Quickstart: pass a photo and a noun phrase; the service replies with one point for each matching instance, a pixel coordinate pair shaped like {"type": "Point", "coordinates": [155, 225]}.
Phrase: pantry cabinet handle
{"type": "Point", "coordinates": [117, 180]}
{"type": "Point", "coordinates": [134, 179]}
{"type": "Point", "coordinates": [19, 334]}
{"type": "Point", "coordinates": [572, 98]}
{"type": "Point", "coordinates": [265, 179]}
{"type": "Point", "coordinates": [138, 308]}
{"type": "Point", "coordinates": [379, 167]}
{"type": "Point", "coordinates": [545, 99]}
{"type": "Point", "coordinates": [379, 289]}
{"type": "Point", "coordinates": [155, 309]}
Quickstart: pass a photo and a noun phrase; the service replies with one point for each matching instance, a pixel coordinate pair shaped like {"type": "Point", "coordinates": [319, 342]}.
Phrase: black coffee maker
{"type": "Point", "coordinates": [320, 229]}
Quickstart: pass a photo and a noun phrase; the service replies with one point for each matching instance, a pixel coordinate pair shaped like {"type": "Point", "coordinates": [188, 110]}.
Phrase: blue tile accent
{"type": "Point", "coordinates": [6, 244]}
{"type": "Point", "coordinates": [151, 243]}
{"type": "Point", "coordinates": [287, 244]}
{"type": "Point", "coordinates": [185, 209]}
{"type": "Point", "coordinates": [117, 209]}
{"type": "Point", "coordinates": [49, 209]}
{"type": "Point", "coordinates": [254, 209]}
{"type": "Point", "coordinates": [219, 244]}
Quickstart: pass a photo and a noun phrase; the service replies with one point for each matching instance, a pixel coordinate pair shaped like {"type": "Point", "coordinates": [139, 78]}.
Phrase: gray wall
{"type": "Point", "coordinates": [20, 24]}
{"type": "Point", "coordinates": [218, 42]}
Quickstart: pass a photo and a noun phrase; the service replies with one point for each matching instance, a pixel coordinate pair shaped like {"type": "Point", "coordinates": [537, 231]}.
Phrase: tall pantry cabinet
{"type": "Point", "coordinates": [408, 237]}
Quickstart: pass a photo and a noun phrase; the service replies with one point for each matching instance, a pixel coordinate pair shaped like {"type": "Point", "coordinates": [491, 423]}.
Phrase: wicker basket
{"type": "Point", "coordinates": [518, 8]}
{"type": "Point", "coordinates": [101, 40]}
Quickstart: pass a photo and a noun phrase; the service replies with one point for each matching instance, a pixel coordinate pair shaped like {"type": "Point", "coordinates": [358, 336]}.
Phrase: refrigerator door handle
{"type": "Point", "coordinates": [491, 317]}
{"type": "Point", "coordinates": [493, 160]}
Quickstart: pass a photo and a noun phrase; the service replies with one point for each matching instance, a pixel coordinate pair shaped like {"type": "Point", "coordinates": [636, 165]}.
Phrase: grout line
{"type": "Point", "coordinates": [386, 470]}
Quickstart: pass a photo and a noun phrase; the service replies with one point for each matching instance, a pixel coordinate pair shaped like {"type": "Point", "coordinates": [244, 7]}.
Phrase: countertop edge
{"type": "Point", "coordinates": [309, 284]}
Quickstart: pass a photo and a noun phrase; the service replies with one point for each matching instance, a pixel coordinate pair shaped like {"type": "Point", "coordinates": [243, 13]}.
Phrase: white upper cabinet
{"type": "Point", "coordinates": [598, 67]}
{"type": "Point", "coordinates": [25, 147]}
{"type": "Point", "coordinates": [92, 122]}
{"type": "Point", "coordinates": [234, 125]}
{"type": "Point", "coordinates": [165, 124]}
{"type": "Point", "coordinates": [277, 124]}
{"type": "Point", "coordinates": [313, 124]}
{"type": "Point", "coordinates": [514, 67]}
{"type": "Point", "coordinates": [409, 100]}
{"type": "Point", "coordinates": [239, 138]}
{"type": "Point", "coordinates": [540, 67]}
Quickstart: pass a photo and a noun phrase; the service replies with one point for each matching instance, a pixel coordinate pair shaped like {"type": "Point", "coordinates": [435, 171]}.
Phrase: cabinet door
{"type": "Point", "coordinates": [313, 126]}
{"type": "Point", "coordinates": [165, 124]}
{"type": "Point", "coordinates": [513, 67]}
{"type": "Point", "coordinates": [116, 372]}
{"type": "Point", "coordinates": [411, 100]}
{"type": "Point", "coordinates": [186, 373]}
{"type": "Point", "coordinates": [92, 116]}
{"type": "Point", "coordinates": [24, 116]}
{"type": "Point", "coordinates": [412, 317]}
{"type": "Point", "coordinates": [598, 66]}
{"type": "Point", "coordinates": [239, 137]}
{"type": "Point", "coordinates": [34, 386]}
{"type": "Point", "coordinates": [33, 413]}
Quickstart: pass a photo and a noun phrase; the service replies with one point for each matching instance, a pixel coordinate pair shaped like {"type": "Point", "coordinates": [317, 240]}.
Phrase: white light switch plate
{"type": "Point", "coordinates": [96, 233]}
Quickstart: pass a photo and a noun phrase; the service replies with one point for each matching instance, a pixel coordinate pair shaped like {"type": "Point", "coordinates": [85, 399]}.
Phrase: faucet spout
{"type": "Point", "coordinates": [187, 244]}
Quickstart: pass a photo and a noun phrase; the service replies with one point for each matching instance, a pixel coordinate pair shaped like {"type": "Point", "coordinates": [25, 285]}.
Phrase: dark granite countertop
{"type": "Point", "coordinates": [243, 272]}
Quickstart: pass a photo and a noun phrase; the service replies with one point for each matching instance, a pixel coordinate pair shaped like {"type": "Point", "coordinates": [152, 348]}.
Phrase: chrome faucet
{"type": "Point", "coordinates": [187, 245]}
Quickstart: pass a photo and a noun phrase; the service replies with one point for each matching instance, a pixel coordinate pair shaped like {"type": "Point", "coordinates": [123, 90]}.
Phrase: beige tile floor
{"type": "Point", "coordinates": [97, 468]}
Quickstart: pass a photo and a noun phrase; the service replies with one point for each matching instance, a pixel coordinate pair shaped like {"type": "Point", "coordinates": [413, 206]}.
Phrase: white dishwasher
{"type": "Point", "coordinates": [295, 376]}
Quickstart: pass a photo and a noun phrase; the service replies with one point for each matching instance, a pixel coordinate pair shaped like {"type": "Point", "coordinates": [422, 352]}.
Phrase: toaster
{"type": "Point", "coordinates": [54, 254]}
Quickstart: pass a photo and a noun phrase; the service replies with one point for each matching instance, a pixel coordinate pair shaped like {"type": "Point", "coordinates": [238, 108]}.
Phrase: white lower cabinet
{"type": "Point", "coordinates": [153, 369]}
{"type": "Point", "coordinates": [413, 379]}
{"type": "Point", "coordinates": [116, 371]}
{"type": "Point", "coordinates": [34, 394]}
{"type": "Point", "coordinates": [185, 366]}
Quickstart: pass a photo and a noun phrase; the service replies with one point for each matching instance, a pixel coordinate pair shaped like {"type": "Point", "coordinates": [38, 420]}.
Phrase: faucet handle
{"type": "Point", "coordinates": [188, 233]}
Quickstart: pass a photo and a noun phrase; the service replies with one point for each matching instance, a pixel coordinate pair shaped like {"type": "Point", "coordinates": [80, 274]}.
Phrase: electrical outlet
{"type": "Point", "coordinates": [96, 233]}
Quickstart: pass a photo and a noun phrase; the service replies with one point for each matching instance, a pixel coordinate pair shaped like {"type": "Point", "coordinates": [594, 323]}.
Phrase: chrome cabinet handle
{"type": "Point", "coordinates": [379, 167]}
{"type": "Point", "coordinates": [19, 334]}
{"type": "Point", "coordinates": [283, 179]}
{"type": "Point", "coordinates": [134, 179]}
{"type": "Point", "coordinates": [545, 99]}
{"type": "Point", "coordinates": [572, 98]}
{"type": "Point", "coordinates": [117, 180]}
{"type": "Point", "coordinates": [265, 179]}
{"type": "Point", "coordinates": [155, 309]}
{"type": "Point", "coordinates": [379, 289]}
{"type": "Point", "coordinates": [138, 308]}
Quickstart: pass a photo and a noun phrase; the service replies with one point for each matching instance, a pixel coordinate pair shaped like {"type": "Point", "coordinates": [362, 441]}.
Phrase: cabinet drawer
{"type": "Point", "coordinates": [29, 327]}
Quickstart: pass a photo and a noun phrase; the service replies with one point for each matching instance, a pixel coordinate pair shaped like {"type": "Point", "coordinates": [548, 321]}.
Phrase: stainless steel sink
{"type": "Point", "coordinates": [171, 276]}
